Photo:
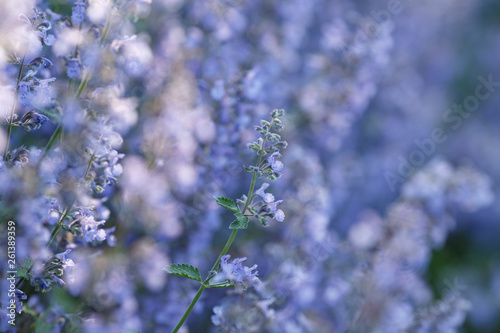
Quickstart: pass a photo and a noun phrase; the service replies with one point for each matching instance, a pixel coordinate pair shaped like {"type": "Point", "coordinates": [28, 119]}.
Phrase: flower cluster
{"type": "Point", "coordinates": [268, 166]}
{"type": "Point", "coordinates": [116, 132]}
{"type": "Point", "coordinates": [268, 207]}
{"type": "Point", "coordinates": [56, 181]}
{"type": "Point", "coordinates": [235, 274]}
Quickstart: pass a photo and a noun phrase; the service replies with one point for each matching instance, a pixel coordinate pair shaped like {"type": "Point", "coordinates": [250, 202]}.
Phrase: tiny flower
{"type": "Point", "coordinates": [111, 239]}
{"type": "Point", "coordinates": [272, 205]}
{"type": "Point", "coordinates": [90, 229]}
{"type": "Point", "coordinates": [36, 65]}
{"type": "Point", "coordinates": [277, 113]}
{"type": "Point", "coordinates": [218, 317]}
{"type": "Point", "coordinates": [279, 215]}
{"type": "Point", "coordinates": [53, 217]}
{"type": "Point", "coordinates": [32, 120]}
{"type": "Point", "coordinates": [275, 165]}
{"type": "Point", "coordinates": [260, 191]}
{"type": "Point", "coordinates": [18, 157]}
{"type": "Point", "coordinates": [58, 280]}
{"type": "Point", "coordinates": [111, 172]}
{"type": "Point", "coordinates": [49, 40]}
{"type": "Point", "coordinates": [101, 235]}
{"type": "Point", "coordinates": [268, 197]}
{"type": "Point", "coordinates": [66, 262]}
{"type": "Point", "coordinates": [73, 70]}
{"type": "Point", "coordinates": [78, 13]}
{"type": "Point", "coordinates": [20, 296]}
{"type": "Point", "coordinates": [40, 284]}
{"type": "Point", "coordinates": [42, 29]}
{"type": "Point", "coordinates": [236, 273]}
{"type": "Point", "coordinates": [24, 93]}
{"type": "Point", "coordinates": [218, 91]}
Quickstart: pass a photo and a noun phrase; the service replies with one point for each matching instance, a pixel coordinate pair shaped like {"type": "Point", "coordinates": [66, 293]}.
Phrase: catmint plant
{"type": "Point", "coordinates": [58, 195]}
{"type": "Point", "coordinates": [260, 205]}
{"type": "Point", "coordinates": [119, 121]}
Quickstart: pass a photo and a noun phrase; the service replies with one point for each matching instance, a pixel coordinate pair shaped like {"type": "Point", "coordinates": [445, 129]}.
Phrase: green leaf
{"type": "Point", "coordinates": [222, 284]}
{"type": "Point", "coordinates": [227, 203]}
{"type": "Point", "coordinates": [241, 222]}
{"type": "Point", "coordinates": [184, 270]}
{"type": "Point", "coordinates": [24, 268]}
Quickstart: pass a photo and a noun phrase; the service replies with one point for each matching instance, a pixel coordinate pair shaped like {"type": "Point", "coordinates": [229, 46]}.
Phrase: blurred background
{"type": "Point", "coordinates": [390, 184]}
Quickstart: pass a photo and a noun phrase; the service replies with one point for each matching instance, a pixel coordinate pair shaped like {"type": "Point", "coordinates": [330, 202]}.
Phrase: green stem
{"type": "Point", "coordinates": [217, 262]}
{"type": "Point", "coordinates": [52, 139]}
{"type": "Point", "coordinates": [190, 307]}
{"type": "Point", "coordinates": [203, 287]}
{"type": "Point", "coordinates": [83, 84]}
{"type": "Point", "coordinates": [106, 27]}
{"type": "Point", "coordinates": [60, 222]}
{"type": "Point", "coordinates": [9, 130]}
{"type": "Point", "coordinates": [223, 252]}
{"type": "Point", "coordinates": [88, 166]}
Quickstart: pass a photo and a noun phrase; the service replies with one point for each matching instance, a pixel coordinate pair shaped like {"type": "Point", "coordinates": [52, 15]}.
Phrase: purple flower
{"type": "Point", "coordinates": [268, 197]}
{"type": "Point", "coordinates": [66, 262]}
{"type": "Point", "coordinates": [32, 120]}
{"type": "Point", "coordinates": [279, 215]}
{"type": "Point", "coordinates": [275, 165]}
{"type": "Point", "coordinates": [20, 296]}
{"type": "Point", "coordinates": [24, 93]}
{"type": "Point", "coordinates": [236, 273]}
{"type": "Point", "coordinates": [73, 70]}
{"type": "Point", "coordinates": [218, 91]}
{"type": "Point", "coordinates": [78, 14]}
{"type": "Point", "coordinates": [272, 205]}
{"type": "Point", "coordinates": [90, 229]}
{"type": "Point", "coordinates": [58, 280]}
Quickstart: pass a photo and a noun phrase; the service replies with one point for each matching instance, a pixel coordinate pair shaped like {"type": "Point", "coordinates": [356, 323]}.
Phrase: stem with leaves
{"type": "Point", "coordinates": [241, 222]}
{"type": "Point", "coordinates": [217, 262]}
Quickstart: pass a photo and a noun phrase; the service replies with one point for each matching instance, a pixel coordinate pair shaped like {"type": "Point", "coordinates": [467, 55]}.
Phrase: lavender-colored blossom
{"type": "Point", "coordinates": [267, 197]}
{"type": "Point", "coordinates": [24, 93]}
{"type": "Point", "coordinates": [90, 229]}
{"type": "Point", "coordinates": [162, 114]}
{"type": "Point", "coordinates": [32, 120]}
{"type": "Point", "coordinates": [279, 215]}
{"type": "Point", "coordinates": [66, 262]}
{"type": "Point", "coordinates": [275, 164]}
{"type": "Point", "coordinates": [73, 70]}
{"type": "Point", "coordinates": [20, 296]}
{"type": "Point", "coordinates": [78, 12]}
{"type": "Point", "coordinates": [236, 273]}
{"type": "Point", "coordinates": [218, 91]}
{"type": "Point", "coordinates": [272, 205]}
